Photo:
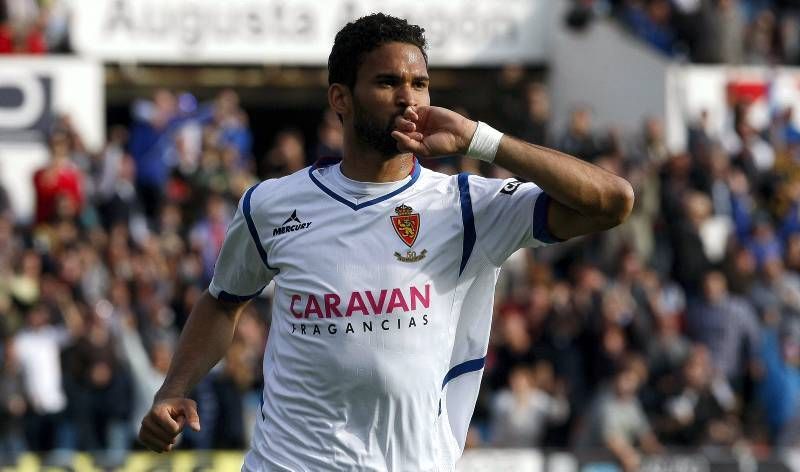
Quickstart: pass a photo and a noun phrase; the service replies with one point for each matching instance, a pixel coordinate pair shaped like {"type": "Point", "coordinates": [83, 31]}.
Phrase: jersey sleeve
{"type": "Point", "coordinates": [242, 270]}
{"type": "Point", "coordinates": [508, 215]}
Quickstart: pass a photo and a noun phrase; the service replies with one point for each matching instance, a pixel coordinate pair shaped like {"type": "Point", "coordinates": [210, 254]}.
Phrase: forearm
{"type": "Point", "coordinates": [205, 339]}
{"type": "Point", "coordinates": [650, 443]}
{"type": "Point", "coordinates": [621, 449]}
{"type": "Point", "coordinates": [587, 189]}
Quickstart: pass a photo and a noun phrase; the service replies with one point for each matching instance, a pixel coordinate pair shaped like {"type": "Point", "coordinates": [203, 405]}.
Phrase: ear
{"type": "Point", "coordinates": [339, 99]}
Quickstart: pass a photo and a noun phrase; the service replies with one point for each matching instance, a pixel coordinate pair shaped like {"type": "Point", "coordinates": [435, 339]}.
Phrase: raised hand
{"type": "Point", "coordinates": [433, 131]}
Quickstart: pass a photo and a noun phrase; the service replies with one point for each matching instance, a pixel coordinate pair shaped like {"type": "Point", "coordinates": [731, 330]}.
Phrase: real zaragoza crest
{"type": "Point", "coordinates": [406, 225]}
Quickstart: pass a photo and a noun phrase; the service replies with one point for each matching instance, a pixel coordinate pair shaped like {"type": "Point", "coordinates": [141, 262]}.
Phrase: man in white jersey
{"type": "Point", "coordinates": [384, 272]}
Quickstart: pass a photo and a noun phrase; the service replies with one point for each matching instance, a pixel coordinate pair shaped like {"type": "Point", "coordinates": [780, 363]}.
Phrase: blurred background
{"type": "Point", "coordinates": [130, 128]}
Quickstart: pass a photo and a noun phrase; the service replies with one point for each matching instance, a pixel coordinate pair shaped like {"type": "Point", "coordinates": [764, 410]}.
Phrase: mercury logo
{"type": "Point", "coordinates": [292, 223]}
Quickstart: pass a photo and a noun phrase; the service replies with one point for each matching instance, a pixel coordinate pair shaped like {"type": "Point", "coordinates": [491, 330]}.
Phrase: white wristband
{"type": "Point", "coordinates": [484, 143]}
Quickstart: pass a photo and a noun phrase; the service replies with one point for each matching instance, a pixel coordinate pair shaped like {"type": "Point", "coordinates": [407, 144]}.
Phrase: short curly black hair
{"type": "Point", "coordinates": [364, 35]}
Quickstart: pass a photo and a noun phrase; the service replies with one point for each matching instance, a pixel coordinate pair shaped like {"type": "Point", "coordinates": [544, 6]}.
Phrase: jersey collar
{"type": "Point", "coordinates": [415, 171]}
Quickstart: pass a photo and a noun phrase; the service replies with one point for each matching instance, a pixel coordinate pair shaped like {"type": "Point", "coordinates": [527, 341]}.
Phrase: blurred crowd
{"type": "Point", "coordinates": [34, 26]}
{"type": "Point", "coordinates": [678, 330]}
{"type": "Point", "coordinates": [763, 32]}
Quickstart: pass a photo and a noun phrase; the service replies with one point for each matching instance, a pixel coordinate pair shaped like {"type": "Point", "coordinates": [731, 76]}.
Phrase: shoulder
{"type": "Point", "coordinates": [270, 191]}
{"type": "Point", "coordinates": [491, 185]}
{"type": "Point", "coordinates": [431, 179]}
{"type": "Point", "coordinates": [452, 182]}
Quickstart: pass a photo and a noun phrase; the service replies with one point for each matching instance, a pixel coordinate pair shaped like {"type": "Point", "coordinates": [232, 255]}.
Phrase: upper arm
{"type": "Point", "coordinates": [564, 223]}
{"type": "Point", "coordinates": [242, 270]}
{"type": "Point", "coordinates": [508, 215]}
{"type": "Point", "coordinates": [231, 309]}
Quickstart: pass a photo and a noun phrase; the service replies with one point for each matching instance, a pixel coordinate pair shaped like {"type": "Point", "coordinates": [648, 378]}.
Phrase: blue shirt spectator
{"type": "Point", "coordinates": [779, 390]}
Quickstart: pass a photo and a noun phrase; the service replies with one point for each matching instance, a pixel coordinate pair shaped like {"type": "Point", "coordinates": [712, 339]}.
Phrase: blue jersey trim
{"type": "Point", "coordinates": [464, 368]}
{"type": "Point", "coordinates": [468, 220]}
{"type": "Point", "coordinates": [252, 227]}
{"type": "Point", "coordinates": [414, 176]}
{"type": "Point", "coordinates": [540, 211]}
{"type": "Point", "coordinates": [229, 297]}
{"type": "Point", "coordinates": [261, 407]}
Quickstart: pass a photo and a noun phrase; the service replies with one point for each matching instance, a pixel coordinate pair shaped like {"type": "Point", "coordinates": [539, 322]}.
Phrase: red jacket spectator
{"type": "Point", "coordinates": [58, 186]}
{"type": "Point", "coordinates": [35, 42]}
{"type": "Point", "coordinates": [6, 39]}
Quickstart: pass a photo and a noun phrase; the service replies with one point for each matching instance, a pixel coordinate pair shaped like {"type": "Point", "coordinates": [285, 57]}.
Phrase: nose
{"type": "Point", "coordinates": [405, 96]}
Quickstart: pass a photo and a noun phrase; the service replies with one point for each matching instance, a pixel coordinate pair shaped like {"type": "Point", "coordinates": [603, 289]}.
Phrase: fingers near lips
{"type": "Point", "coordinates": [404, 125]}
{"type": "Point", "coordinates": [401, 136]}
{"type": "Point", "coordinates": [406, 143]}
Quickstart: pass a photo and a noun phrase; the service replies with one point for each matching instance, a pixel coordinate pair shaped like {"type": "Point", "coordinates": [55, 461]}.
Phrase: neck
{"type": "Point", "coordinates": [364, 164]}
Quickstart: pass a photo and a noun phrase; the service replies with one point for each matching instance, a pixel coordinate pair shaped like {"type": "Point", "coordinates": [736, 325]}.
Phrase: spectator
{"type": "Point", "coordinates": [755, 154]}
{"type": "Point", "coordinates": [727, 326]}
{"type": "Point", "coordinates": [99, 390]}
{"type": "Point", "coordinates": [741, 271]}
{"type": "Point", "coordinates": [790, 225]}
{"type": "Point", "coordinates": [522, 412]}
{"type": "Point", "coordinates": [614, 334]}
{"type": "Point", "coordinates": [58, 185]}
{"type": "Point", "coordinates": [6, 35]}
{"type": "Point", "coordinates": [207, 235]}
{"type": "Point", "coordinates": [667, 352]}
{"type": "Point", "coordinates": [287, 154]}
{"type": "Point", "coordinates": [516, 349]}
{"type": "Point", "coordinates": [651, 23]}
{"type": "Point", "coordinates": [691, 252]}
{"type": "Point", "coordinates": [229, 386]}
{"type": "Point", "coordinates": [793, 253]}
{"type": "Point", "coordinates": [578, 140]}
{"type": "Point", "coordinates": [536, 124]}
{"type": "Point", "coordinates": [702, 413]}
{"type": "Point", "coordinates": [12, 407]}
{"type": "Point", "coordinates": [232, 123]}
{"type": "Point", "coordinates": [617, 421]}
{"type": "Point", "coordinates": [776, 290]}
{"type": "Point", "coordinates": [329, 136]}
{"type": "Point", "coordinates": [764, 243]}
{"type": "Point", "coordinates": [38, 348]}
{"type": "Point", "coordinates": [150, 145]}
{"type": "Point", "coordinates": [509, 110]}
{"type": "Point", "coordinates": [780, 387]}
{"type": "Point", "coordinates": [760, 41]}
{"type": "Point", "coordinates": [148, 370]}
{"type": "Point", "coordinates": [724, 27]}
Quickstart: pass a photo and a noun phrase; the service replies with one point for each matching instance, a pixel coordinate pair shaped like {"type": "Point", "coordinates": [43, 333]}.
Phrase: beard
{"type": "Point", "coordinates": [373, 133]}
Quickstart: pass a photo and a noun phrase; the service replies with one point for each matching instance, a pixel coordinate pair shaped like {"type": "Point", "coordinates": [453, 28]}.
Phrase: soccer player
{"type": "Point", "coordinates": [384, 272]}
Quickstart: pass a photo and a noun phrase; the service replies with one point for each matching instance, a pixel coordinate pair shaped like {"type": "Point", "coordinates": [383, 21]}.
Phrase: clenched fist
{"type": "Point", "coordinates": [165, 421]}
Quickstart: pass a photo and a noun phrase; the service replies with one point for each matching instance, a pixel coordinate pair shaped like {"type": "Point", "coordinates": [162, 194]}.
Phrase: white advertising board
{"type": "Point", "coordinates": [692, 90]}
{"type": "Point", "coordinates": [301, 32]}
{"type": "Point", "coordinates": [501, 460]}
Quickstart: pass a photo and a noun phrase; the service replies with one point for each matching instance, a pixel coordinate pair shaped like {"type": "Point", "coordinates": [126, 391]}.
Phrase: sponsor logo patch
{"type": "Point", "coordinates": [291, 224]}
{"type": "Point", "coordinates": [510, 187]}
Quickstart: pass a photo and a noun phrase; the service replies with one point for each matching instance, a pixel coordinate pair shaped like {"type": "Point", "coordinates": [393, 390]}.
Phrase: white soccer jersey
{"type": "Point", "coordinates": [381, 311]}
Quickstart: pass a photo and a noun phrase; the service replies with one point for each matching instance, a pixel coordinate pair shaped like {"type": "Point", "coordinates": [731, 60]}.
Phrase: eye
{"type": "Point", "coordinates": [421, 84]}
